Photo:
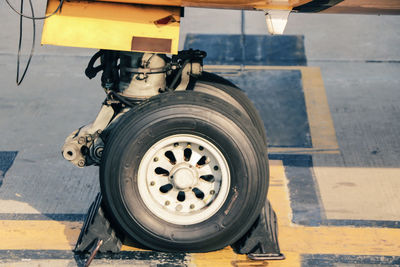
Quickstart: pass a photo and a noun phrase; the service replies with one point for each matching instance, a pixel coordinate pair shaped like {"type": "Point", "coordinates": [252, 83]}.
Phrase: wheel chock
{"type": "Point", "coordinates": [97, 230]}
{"type": "Point", "coordinates": [261, 241]}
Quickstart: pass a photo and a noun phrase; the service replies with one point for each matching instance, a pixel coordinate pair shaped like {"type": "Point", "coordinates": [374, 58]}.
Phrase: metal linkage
{"type": "Point", "coordinates": [128, 79]}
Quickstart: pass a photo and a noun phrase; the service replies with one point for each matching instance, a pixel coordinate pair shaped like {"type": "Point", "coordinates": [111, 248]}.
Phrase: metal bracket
{"type": "Point", "coordinates": [276, 20]}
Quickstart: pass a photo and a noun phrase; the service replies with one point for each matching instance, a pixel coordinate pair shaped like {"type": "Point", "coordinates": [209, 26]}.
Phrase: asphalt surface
{"type": "Point", "coordinates": [359, 58]}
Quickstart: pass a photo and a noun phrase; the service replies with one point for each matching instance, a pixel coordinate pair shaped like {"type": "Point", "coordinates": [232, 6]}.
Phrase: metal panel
{"type": "Point", "coordinates": [234, 4]}
{"type": "Point", "coordinates": [112, 26]}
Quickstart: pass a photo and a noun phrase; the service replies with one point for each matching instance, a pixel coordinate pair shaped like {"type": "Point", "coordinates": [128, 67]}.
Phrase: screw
{"type": "Point", "coordinates": [167, 203]}
{"type": "Point", "coordinates": [155, 159]}
{"type": "Point", "coordinates": [152, 183]}
{"type": "Point", "coordinates": [212, 192]}
{"type": "Point", "coordinates": [216, 168]}
{"type": "Point", "coordinates": [192, 206]}
{"type": "Point", "coordinates": [89, 138]}
{"type": "Point", "coordinates": [201, 148]}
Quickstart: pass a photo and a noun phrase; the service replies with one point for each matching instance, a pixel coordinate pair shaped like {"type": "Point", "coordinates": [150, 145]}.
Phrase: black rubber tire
{"type": "Point", "coordinates": [195, 114]}
{"type": "Point", "coordinates": [218, 86]}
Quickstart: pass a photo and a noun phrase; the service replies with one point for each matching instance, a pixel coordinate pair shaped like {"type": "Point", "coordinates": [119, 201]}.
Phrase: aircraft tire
{"type": "Point", "coordinates": [184, 171]}
{"type": "Point", "coordinates": [218, 86]}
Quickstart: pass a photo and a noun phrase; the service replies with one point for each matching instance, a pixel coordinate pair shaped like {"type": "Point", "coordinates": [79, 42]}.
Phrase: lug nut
{"type": "Point", "coordinates": [81, 140]}
{"type": "Point", "coordinates": [81, 163]}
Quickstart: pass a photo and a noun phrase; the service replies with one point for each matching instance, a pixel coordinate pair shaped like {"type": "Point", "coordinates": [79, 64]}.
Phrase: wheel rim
{"type": "Point", "coordinates": [183, 179]}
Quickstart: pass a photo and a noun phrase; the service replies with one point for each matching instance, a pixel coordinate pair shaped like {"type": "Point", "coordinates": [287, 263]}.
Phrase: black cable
{"type": "Point", "coordinates": [19, 81]}
{"type": "Point", "coordinates": [33, 16]}
{"type": "Point", "coordinates": [122, 99]}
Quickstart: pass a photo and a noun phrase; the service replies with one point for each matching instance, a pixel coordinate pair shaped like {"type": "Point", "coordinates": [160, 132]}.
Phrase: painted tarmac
{"type": "Point", "coordinates": [334, 182]}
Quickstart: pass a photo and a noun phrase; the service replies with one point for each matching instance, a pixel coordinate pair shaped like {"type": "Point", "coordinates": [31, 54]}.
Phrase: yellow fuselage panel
{"type": "Point", "coordinates": [113, 26]}
{"type": "Point", "coordinates": [233, 4]}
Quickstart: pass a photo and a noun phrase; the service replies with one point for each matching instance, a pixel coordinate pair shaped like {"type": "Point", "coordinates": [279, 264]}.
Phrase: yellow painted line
{"type": "Point", "coordinates": [301, 150]}
{"type": "Point", "coordinates": [319, 116]}
{"type": "Point", "coordinates": [42, 235]}
{"type": "Point", "coordinates": [322, 130]}
{"type": "Point", "coordinates": [278, 193]}
{"type": "Point", "coordinates": [38, 235]}
{"type": "Point", "coordinates": [295, 240]}
{"type": "Point", "coordinates": [325, 240]}
{"type": "Point", "coordinates": [340, 240]}
{"type": "Point", "coordinates": [226, 257]}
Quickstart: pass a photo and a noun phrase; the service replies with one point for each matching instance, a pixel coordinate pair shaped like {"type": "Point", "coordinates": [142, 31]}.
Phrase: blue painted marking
{"type": "Point", "coordinates": [305, 203]}
{"type": "Point", "coordinates": [72, 217]}
{"type": "Point", "coordinates": [325, 260]}
{"type": "Point", "coordinates": [6, 160]}
{"type": "Point", "coordinates": [279, 98]}
{"type": "Point", "coordinates": [277, 50]}
{"type": "Point", "coordinates": [304, 194]}
{"type": "Point", "coordinates": [150, 258]}
{"type": "Point", "coordinates": [364, 223]}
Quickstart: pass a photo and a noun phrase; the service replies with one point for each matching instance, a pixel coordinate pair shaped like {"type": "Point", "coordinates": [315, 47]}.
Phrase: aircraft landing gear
{"type": "Point", "coordinates": [183, 164]}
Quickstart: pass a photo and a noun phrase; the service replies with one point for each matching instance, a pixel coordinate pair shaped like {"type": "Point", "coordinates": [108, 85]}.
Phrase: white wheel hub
{"type": "Point", "coordinates": [183, 179]}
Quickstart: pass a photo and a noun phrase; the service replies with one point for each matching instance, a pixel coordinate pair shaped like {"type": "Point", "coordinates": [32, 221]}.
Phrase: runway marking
{"type": "Point", "coordinates": [297, 240]}
{"type": "Point", "coordinates": [6, 161]}
{"type": "Point", "coordinates": [39, 235]}
{"type": "Point", "coordinates": [322, 130]}
{"type": "Point", "coordinates": [305, 193]}
{"type": "Point", "coordinates": [294, 240]}
{"type": "Point", "coordinates": [236, 49]}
